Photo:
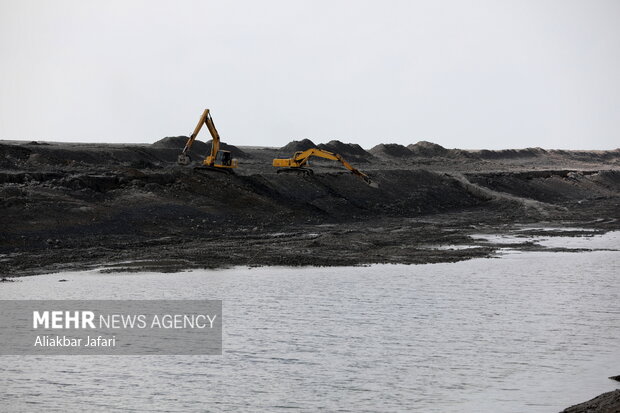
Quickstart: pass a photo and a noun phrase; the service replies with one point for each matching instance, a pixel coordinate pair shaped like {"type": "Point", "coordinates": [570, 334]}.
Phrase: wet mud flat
{"type": "Point", "coordinates": [130, 208]}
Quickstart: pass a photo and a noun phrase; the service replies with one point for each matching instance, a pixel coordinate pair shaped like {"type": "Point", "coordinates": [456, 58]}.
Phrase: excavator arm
{"type": "Point", "coordinates": [300, 159]}
{"type": "Point", "coordinates": [184, 157]}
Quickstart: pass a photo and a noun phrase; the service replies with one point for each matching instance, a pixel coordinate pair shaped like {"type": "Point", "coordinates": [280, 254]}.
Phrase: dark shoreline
{"type": "Point", "coordinates": [428, 242]}
{"type": "Point", "coordinates": [604, 403]}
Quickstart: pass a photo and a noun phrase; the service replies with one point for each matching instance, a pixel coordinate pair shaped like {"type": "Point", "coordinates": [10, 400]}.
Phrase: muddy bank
{"type": "Point", "coordinates": [605, 403]}
{"type": "Point", "coordinates": [72, 206]}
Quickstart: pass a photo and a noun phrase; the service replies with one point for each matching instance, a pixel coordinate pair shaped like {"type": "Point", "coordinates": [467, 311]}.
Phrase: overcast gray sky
{"type": "Point", "coordinates": [466, 74]}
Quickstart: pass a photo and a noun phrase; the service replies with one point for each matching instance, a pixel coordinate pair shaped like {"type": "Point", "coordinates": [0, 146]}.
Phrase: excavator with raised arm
{"type": "Point", "coordinates": [217, 159]}
{"type": "Point", "coordinates": [298, 163]}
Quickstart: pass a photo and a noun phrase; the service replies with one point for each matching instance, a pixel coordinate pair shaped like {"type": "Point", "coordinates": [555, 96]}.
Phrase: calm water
{"type": "Point", "coordinates": [526, 332]}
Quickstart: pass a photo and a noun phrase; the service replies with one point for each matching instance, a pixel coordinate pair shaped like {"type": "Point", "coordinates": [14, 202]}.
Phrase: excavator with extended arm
{"type": "Point", "coordinates": [217, 158]}
{"type": "Point", "coordinates": [299, 161]}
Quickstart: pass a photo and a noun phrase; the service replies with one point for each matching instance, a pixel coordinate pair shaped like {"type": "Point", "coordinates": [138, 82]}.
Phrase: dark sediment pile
{"type": "Point", "coordinates": [510, 153]}
{"type": "Point", "coordinates": [427, 149]}
{"type": "Point", "coordinates": [178, 143]}
{"type": "Point", "coordinates": [605, 403]}
{"type": "Point", "coordinates": [236, 151]}
{"type": "Point", "coordinates": [174, 145]}
{"type": "Point", "coordinates": [297, 146]}
{"type": "Point", "coordinates": [393, 150]}
{"type": "Point", "coordinates": [351, 151]}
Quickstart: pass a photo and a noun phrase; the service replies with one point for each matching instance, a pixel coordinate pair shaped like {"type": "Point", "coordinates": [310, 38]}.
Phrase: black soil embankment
{"type": "Point", "coordinates": [82, 205]}
{"type": "Point", "coordinates": [560, 187]}
{"type": "Point", "coordinates": [511, 153]}
{"type": "Point", "coordinates": [605, 403]}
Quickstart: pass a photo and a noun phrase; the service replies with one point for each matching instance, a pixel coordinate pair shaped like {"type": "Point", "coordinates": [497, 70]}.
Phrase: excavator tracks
{"type": "Point", "coordinates": [298, 171]}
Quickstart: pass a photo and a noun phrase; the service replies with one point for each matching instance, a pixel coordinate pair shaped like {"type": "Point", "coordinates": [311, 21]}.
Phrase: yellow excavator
{"type": "Point", "coordinates": [217, 159]}
{"type": "Point", "coordinates": [299, 161]}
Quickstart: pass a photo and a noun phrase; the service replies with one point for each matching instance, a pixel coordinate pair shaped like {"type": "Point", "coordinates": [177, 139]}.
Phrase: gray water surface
{"type": "Point", "coordinates": [527, 332]}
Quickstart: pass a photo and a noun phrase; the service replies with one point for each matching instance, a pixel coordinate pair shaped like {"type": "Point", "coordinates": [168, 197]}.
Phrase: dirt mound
{"type": "Point", "coordinates": [348, 150]}
{"type": "Point", "coordinates": [297, 146]}
{"type": "Point", "coordinates": [199, 148]}
{"type": "Point", "coordinates": [511, 153]}
{"type": "Point", "coordinates": [428, 149]}
{"type": "Point", "coordinates": [605, 403]}
{"type": "Point", "coordinates": [236, 152]}
{"type": "Point", "coordinates": [12, 155]}
{"type": "Point", "coordinates": [393, 150]}
{"type": "Point", "coordinates": [178, 143]}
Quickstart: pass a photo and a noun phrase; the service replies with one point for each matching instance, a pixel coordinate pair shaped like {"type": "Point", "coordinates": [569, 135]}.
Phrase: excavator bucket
{"type": "Point", "coordinates": [183, 159]}
{"type": "Point", "coordinates": [365, 178]}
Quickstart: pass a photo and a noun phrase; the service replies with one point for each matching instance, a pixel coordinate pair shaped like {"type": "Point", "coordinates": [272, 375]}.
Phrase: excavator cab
{"type": "Point", "coordinates": [224, 158]}
{"type": "Point", "coordinates": [184, 159]}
